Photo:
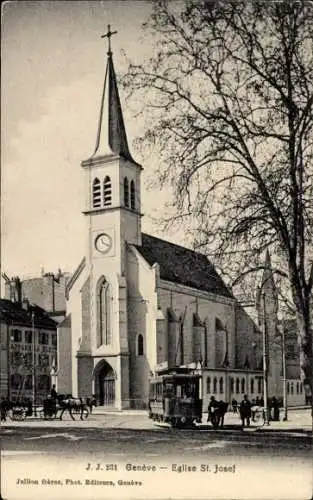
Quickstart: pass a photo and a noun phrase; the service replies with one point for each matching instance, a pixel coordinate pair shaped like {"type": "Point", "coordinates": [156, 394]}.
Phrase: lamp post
{"type": "Point", "coordinates": [283, 349]}
{"type": "Point", "coordinates": [283, 345]}
{"type": "Point", "coordinates": [33, 363]}
{"type": "Point", "coordinates": [265, 363]}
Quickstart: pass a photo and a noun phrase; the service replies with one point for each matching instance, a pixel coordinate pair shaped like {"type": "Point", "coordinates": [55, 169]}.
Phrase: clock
{"type": "Point", "coordinates": [103, 243]}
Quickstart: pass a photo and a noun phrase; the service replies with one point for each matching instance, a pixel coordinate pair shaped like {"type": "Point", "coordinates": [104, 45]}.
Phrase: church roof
{"type": "Point", "coordinates": [183, 266]}
{"type": "Point", "coordinates": [14, 313]}
{"type": "Point", "coordinates": [111, 135]}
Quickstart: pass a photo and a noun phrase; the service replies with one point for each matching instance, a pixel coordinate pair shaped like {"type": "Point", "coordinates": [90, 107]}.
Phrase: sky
{"type": "Point", "coordinates": [53, 66]}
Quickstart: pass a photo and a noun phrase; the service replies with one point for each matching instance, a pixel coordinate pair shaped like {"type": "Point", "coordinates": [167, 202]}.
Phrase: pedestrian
{"type": "Point", "coordinates": [253, 409]}
{"type": "Point", "coordinates": [234, 405]}
{"type": "Point", "coordinates": [212, 408]}
{"type": "Point", "coordinates": [245, 411]}
{"type": "Point", "coordinates": [53, 392]}
{"type": "Point", "coordinates": [4, 407]}
{"type": "Point", "coordinates": [275, 407]}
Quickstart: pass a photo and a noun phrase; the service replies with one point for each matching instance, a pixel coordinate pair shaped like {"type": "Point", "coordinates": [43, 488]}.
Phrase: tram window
{"type": "Point", "coordinates": [168, 389]}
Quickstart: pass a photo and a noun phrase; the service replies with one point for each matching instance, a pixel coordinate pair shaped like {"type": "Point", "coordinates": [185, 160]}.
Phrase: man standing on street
{"type": "Point", "coordinates": [245, 411]}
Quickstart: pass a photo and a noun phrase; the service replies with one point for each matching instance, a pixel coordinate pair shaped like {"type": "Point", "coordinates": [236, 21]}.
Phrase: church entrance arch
{"type": "Point", "coordinates": [105, 384]}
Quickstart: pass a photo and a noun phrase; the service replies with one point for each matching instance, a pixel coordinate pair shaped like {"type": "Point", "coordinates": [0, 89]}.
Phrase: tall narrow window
{"type": "Point", "coordinates": [132, 195]}
{"type": "Point", "coordinates": [237, 385]}
{"type": "Point", "coordinates": [107, 192]}
{"type": "Point", "coordinates": [260, 385]}
{"type": "Point", "coordinates": [214, 385]}
{"type": "Point", "coordinates": [243, 386]}
{"type": "Point", "coordinates": [104, 314]}
{"type": "Point", "coordinates": [208, 385]}
{"type": "Point", "coordinates": [221, 385]}
{"type": "Point", "coordinates": [140, 345]}
{"type": "Point", "coordinates": [252, 386]}
{"type": "Point", "coordinates": [96, 193]}
{"type": "Point", "coordinates": [126, 192]}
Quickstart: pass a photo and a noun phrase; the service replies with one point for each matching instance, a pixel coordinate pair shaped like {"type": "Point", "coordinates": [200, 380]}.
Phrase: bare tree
{"type": "Point", "coordinates": [229, 95]}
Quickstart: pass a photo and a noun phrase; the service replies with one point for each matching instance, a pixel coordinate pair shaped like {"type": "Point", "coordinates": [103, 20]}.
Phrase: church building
{"type": "Point", "coordinates": [137, 303]}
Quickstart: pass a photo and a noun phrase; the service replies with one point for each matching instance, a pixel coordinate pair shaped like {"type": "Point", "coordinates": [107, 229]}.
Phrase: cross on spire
{"type": "Point", "coordinates": [108, 36]}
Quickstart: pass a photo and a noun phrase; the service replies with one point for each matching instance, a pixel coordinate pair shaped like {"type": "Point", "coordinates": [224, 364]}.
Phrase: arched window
{"type": "Point", "coordinates": [252, 386]}
{"type": "Point", "coordinates": [221, 385]}
{"type": "Point", "coordinates": [288, 388]}
{"type": "Point", "coordinates": [140, 345]}
{"type": "Point", "coordinates": [231, 385]}
{"type": "Point", "coordinates": [104, 314]}
{"type": "Point", "coordinates": [107, 192]}
{"type": "Point", "coordinates": [214, 385]}
{"type": "Point", "coordinates": [208, 385]}
{"type": "Point", "coordinates": [237, 385]}
{"type": "Point", "coordinates": [291, 388]}
{"type": "Point", "coordinates": [132, 195]}
{"type": "Point", "coordinates": [243, 386]}
{"type": "Point", "coordinates": [96, 193]}
{"type": "Point", "coordinates": [126, 192]}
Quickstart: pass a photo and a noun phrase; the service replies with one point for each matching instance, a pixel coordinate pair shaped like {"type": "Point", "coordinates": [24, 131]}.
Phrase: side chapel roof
{"type": "Point", "coordinates": [183, 266]}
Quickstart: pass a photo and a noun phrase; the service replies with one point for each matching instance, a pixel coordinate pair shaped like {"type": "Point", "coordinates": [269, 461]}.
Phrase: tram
{"type": "Point", "coordinates": [174, 397]}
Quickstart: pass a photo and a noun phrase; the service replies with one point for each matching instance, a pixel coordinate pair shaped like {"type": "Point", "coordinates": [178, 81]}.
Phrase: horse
{"type": "Point", "coordinates": [66, 402]}
{"type": "Point", "coordinates": [217, 418]}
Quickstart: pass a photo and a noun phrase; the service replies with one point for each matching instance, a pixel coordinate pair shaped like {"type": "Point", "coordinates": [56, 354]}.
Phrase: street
{"type": "Point", "coordinates": [104, 446]}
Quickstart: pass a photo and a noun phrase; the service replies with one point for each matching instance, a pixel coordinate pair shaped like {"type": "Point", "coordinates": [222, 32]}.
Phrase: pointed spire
{"type": "Point", "coordinates": [111, 136]}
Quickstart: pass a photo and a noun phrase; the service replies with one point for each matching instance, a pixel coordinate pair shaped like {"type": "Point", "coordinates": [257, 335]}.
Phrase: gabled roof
{"type": "Point", "coordinates": [183, 266]}
{"type": "Point", "coordinates": [14, 313]}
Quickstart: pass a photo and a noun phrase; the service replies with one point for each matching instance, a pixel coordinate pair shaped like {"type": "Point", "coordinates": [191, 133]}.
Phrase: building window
{"type": "Point", "coordinates": [132, 195]}
{"type": "Point", "coordinates": [291, 388]}
{"type": "Point", "coordinates": [54, 341]}
{"type": "Point", "coordinates": [28, 336]}
{"type": "Point", "coordinates": [301, 388]}
{"type": "Point", "coordinates": [297, 387]}
{"type": "Point", "coordinates": [44, 382]}
{"type": "Point", "coordinates": [231, 385]}
{"type": "Point", "coordinates": [140, 345]}
{"type": "Point", "coordinates": [259, 385]}
{"type": "Point", "coordinates": [288, 388]}
{"type": "Point", "coordinates": [43, 338]}
{"type": "Point", "coordinates": [252, 386]}
{"type": "Point", "coordinates": [237, 385]}
{"type": "Point", "coordinates": [214, 385]}
{"type": "Point", "coordinates": [96, 193]}
{"type": "Point", "coordinates": [104, 319]}
{"type": "Point", "coordinates": [243, 386]}
{"type": "Point", "coordinates": [28, 357]}
{"type": "Point", "coordinates": [208, 385]}
{"type": "Point", "coordinates": [107, 191]}
{"type": "Point", "coordinates": [16, 335]}
{"type": "Point", "coordinates": [221, 385]}
{"type": "Point", "coordinates": [16, 381]}
{"type": "Point", "coordinates": [126, 192]}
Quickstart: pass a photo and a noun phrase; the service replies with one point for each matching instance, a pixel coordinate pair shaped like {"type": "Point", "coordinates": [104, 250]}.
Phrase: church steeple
{"type": "Point", "coordinates": [111, 134]}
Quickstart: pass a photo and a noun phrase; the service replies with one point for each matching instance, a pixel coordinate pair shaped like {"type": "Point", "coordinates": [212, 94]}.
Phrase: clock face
{"type": "Point", "coordinates": [103, 243]}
